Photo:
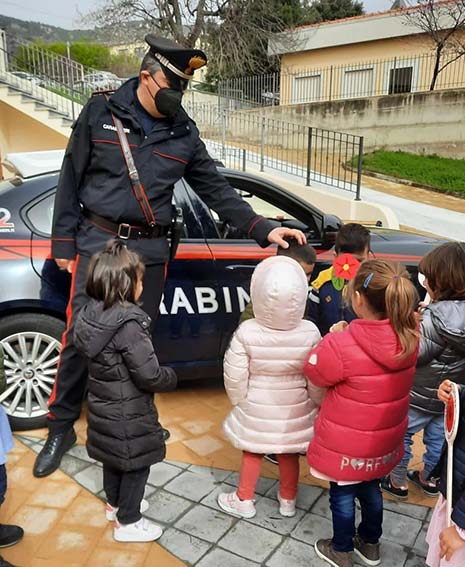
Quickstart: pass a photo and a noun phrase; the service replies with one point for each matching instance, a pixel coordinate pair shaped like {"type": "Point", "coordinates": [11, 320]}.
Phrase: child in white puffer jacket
{"type": "Point", "coordinates": [274, 405]}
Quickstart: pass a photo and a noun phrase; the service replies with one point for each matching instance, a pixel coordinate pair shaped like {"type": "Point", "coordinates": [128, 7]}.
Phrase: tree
{"type": "Point", "coordinates": [328, 10]}
{"type": "Point", "coordinates": [444, 23]}
{"type": "Point", "coordinates": [182, 20]}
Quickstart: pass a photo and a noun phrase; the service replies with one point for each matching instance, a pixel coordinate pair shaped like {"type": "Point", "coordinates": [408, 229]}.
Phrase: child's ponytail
{"type": "Point", "coordinates": [391, 295]}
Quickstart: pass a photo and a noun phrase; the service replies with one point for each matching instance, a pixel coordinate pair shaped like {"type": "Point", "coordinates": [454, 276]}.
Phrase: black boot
{"type": "Point", "coordinates": [49, 459]}
{"type": "Point", "coordinates": [9, 535]}
{"type": "Point", "coordinates": [5, 563]}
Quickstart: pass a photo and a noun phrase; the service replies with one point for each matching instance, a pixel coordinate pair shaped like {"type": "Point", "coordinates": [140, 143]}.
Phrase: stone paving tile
{"type": "Point", "coordinates": [91, 478]}
{"type": "Point", "coordinates": [219, 475]}
{"type": "Point", "coordinates": [71, 465]}
{"type": "Point", "coordinates": [418, 512]}
{"type": "Point", "coordinates": [420, 546]}
{"type": "Point", "coordinates": [392, 555]}
{"type": "Point", "coordinates": [311, 528]}
{"type": "Point", "coordinates": [263, 485]}
{"type": "Point", "coordinates": [321, 506]}
{"type": "Point", "coordinates": [294, 553]}
{"type": "Point", "coordinates": [268, 517]}
{"type": "Point", "coordinates": [178, 464]}
{"type": "Point", "coordinates": [186, 547]}
{"type": "Point", "coordinates": [80, 452]}
{"type": "Point", "coordinates": [414, 561]}
{"type": "Point", "coordinates": [163, 472]}
{"type": "Point", "coordinates": [306, 496]}
{"type": "Point", "coordinates": [166, 507]}
{"type": "Point", "coordinates": [192, 485]}
{"type": "Point", "coordinates": [219, 557]}
{"type": "Point", "coordinates": [251, 542]}
{"type": "Point", "coordinates": [205, 523]}
{"type": "Point", "coordinates": [400, 529]}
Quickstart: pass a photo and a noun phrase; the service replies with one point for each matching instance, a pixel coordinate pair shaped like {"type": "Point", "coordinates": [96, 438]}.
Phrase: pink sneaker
{"type": "Point", "coordinates": [230, 503]}
{"type": "Point", "coordinates": [286, 507]}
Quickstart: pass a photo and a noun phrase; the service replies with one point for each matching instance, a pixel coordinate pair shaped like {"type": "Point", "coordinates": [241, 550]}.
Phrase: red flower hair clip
{"type": "Point", "coordinates": [345, 268]}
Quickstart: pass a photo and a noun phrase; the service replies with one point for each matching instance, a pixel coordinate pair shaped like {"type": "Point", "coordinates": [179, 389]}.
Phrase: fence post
{"type": "Point", "coordinates": [330, 83]}
{"type": "Point", "coordinates": [223, 134]}
{"type": "Point", "coordinates": [70, 76]}
{"type": "Point", "coordinates": [309, 154]}
{"type": "Point", "coordinates": [262, 145]}
{"type": "Point", "coordinates": [359, 169]}
{"type": "Point", "coordinates": [244, 159]}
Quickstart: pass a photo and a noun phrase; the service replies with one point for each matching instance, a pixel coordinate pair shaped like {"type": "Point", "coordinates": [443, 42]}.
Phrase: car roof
{"type": "Point", "coordinates": [30, 164]}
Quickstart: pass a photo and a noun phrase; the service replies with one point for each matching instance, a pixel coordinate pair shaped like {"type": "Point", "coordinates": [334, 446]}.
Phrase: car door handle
{"type": "Point", "coordinates": [240, 267]}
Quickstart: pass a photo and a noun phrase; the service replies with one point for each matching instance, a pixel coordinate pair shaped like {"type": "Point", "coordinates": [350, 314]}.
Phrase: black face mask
{"type": "Point", "coordinates": [167, 100]}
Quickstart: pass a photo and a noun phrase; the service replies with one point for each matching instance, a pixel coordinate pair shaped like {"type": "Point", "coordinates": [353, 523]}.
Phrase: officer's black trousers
{"type": "Point", "coordinates": [71, 379]}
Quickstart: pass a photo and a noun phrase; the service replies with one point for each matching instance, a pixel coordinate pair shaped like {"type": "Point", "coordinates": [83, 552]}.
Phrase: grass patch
{"type": "Point", "coordinates": [444, 174]}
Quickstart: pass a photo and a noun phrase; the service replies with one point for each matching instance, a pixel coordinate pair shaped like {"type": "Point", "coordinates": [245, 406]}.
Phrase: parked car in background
{"type": "Point", "coordinates": [207, 283]}
{"type": "Point", "coordinates": [98, 81]}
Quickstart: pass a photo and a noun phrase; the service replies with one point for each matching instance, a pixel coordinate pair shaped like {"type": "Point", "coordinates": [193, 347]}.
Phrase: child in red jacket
{"type": "Point", "coordinates": [368, 369]}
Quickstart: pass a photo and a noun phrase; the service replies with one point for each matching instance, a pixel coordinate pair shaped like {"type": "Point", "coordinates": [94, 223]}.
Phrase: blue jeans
{"type": "Point", "coordinates": [342, 503]}
{"type": "Point", "coordinates": [433, 438]}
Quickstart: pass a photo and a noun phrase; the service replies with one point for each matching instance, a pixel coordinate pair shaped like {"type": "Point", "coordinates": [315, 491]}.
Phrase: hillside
{"type": "Point", "coordinates": [36, 30]}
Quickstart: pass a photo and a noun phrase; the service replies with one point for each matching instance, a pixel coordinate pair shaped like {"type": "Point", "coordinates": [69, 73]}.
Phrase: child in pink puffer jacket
{"type": "Point", "coordinates": [274, 406]}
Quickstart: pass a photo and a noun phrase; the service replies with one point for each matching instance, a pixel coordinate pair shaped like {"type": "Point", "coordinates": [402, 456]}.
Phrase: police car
{"type": "Point", "coordinates": [207, 285]}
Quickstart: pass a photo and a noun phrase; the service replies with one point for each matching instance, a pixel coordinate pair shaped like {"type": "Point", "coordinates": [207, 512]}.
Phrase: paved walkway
{"type": "Point", "coordinates": [63, 515]}
{"type": "Point", "coordinates": [182, 498]}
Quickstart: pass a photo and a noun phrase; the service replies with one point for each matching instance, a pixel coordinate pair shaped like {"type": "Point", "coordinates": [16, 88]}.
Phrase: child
{"type": "Point", "coordinates": [123, 429]}
{"type": "Point", "coordinates": [447, 545]}
{"type": "Point", "coordinates": [274, 407]}
{"type": "Point", "coordinates": [327, 305]}
{"type": "Point", "coordinates": [9, 534]}
{"type": "Point", "coordinates": [369, 371]}
{"type": "Point", "coordinates": [442, 353]}
{"type": "Point", "coordinates": [304, 254]}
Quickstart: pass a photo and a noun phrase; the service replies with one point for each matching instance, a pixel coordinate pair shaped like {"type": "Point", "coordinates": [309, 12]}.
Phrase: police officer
{"type": "Point", "coordinates": [97, 200]}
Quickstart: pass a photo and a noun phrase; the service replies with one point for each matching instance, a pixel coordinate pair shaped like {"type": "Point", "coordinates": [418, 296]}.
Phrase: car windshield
{"type": "Point", "coordinates": [6, 185]}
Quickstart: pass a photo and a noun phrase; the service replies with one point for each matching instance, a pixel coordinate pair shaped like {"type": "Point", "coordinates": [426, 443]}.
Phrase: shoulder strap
{"type": "Point", "coordinates": [136, 183]}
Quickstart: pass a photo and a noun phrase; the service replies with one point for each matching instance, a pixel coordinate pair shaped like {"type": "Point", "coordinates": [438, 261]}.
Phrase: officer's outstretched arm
{"type": "Point", "coordinates": [67, 207]}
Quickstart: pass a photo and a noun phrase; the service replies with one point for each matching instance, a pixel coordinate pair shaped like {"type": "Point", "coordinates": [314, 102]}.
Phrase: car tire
{"type": "Point", "coordinates": [29, 384]}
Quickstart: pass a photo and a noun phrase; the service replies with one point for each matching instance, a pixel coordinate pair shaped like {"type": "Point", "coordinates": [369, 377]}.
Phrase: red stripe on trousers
{"type": "Point", "coordinates": [69, 316]}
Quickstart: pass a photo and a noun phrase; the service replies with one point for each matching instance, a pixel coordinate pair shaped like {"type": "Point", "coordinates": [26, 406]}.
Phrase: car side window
{"type": "Point", "coordinates": [40, 215]}
{"type": "Point", "coordinates": [262, 207]}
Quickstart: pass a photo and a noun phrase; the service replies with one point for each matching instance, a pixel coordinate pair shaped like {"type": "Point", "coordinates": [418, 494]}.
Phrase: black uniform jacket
{"type": "Point", "coordinates": [123, 427]}
{"type": "Point", "coordinates": [94, 175]}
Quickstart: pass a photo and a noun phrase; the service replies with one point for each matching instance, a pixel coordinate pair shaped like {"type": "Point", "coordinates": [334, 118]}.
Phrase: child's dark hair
{"type": "Point", "coordinates": [113, 274]}
{"type": "Point", "coordinates": [301, 252]}
{"type": "Point", "coordinates": [444, 268]}
{"type": "Point", "coordinates": [352, 238]}
{"type": "Point", "coordinates": [391, 295]}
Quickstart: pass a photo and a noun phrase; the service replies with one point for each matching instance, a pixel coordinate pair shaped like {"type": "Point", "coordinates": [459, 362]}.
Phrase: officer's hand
{"type": "Point", "coordinates": [65, 264]}
{"type": "Point", "coordinates": [277, 235]}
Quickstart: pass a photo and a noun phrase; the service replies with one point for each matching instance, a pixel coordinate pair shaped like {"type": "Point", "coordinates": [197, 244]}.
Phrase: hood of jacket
{"type": "Point", "coordinates": [95, 327]}
{"type": "Point", "coordinates": [448, 318]}
{"type": "Point", "coordinates": [379, 341]}
{"type": "Point", "coordinates": [279, 290]}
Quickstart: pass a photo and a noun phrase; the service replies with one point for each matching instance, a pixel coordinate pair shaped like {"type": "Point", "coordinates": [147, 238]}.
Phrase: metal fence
{"type": "Point", "coordinates": [314, 154]}
{"type": "Point", "coordinates": [412, 73]}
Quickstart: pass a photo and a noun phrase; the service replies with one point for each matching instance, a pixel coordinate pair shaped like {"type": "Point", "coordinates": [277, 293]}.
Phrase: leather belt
{"type": "Point", "coordinates": [125, 230]}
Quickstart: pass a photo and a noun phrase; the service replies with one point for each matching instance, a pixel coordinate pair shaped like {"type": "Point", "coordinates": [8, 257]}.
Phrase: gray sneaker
{"type": "Point", "coordinates": [368, 552]}
{"type": "Point", "coordinates": [325, 550]}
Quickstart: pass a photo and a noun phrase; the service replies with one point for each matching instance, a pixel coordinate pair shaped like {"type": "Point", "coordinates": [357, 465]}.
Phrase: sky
{"type": "Point", "coordinates": [52, 12]}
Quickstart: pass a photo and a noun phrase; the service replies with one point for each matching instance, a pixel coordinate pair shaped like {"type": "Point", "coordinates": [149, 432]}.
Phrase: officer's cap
{"type": "Point", "coordinates": [175, 59]}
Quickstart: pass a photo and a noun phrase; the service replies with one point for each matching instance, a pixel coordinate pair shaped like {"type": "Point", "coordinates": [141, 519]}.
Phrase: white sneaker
{"type": "Point", "coordinates": [286, 507]}
{"type": "Point", "coordinates": [230, 503]}
{"type": "Point", "coordinates": [110, 511]}
{"type": "Point", "coordinates": [140, 531]}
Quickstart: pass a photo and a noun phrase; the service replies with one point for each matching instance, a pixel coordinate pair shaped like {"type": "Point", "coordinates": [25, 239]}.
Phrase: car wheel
{"type": "Point", "coordinates": [31, 344]}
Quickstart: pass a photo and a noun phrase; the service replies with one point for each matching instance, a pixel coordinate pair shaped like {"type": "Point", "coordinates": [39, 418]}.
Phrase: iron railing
{"type": "Point", "coordinates": [314, 154]}
{"type": "Point", "coordinates": [412, 73]}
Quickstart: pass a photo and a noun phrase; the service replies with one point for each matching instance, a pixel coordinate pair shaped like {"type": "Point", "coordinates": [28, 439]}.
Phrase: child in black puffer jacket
{"type": "Point", "coordinates": [441, 356]}
{"type": "Point", "coordinates": [124, 434]}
